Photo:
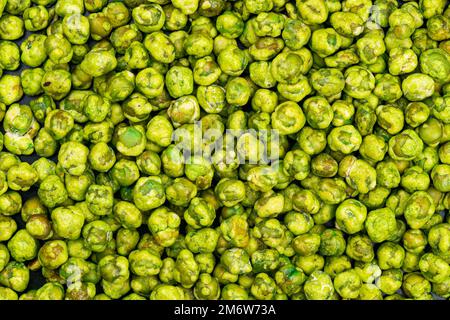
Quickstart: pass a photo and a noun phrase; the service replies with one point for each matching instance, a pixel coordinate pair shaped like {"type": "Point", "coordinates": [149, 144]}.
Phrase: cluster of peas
{"type": "Point", "coordinates": [352, 201]}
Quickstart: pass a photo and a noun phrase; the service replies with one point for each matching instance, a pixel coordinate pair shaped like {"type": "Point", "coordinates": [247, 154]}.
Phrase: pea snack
{"type": "Point", "coordinates": [218, 149]}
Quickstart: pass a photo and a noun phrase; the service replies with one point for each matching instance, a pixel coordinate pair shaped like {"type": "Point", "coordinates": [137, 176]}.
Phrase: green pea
{"type": "Point", "coordinates": [11, 27]}
{"type": "Point", "coordinates": [232, 61]}
{"type": "Point", "coordinates": [149, 17]}
{"type": "Point", "coordinates": [380, 224]}
{"type": "Point", "coordinates": [412, 83]}
{"type": "Point", "coordinates": [164, 225]}
{"type": "Point", "coordinates": [319, 286]}
{"type": "Point", "coordinates": [148, 193]}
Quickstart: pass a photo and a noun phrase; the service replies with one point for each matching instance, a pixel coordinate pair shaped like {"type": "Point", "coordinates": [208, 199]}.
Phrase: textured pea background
{"type": "Point", "coordinates": [36, 278]}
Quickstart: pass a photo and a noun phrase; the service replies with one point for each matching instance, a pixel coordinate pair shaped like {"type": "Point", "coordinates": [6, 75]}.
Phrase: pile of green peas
{"type": "Point", "coordinates": [93, 92]}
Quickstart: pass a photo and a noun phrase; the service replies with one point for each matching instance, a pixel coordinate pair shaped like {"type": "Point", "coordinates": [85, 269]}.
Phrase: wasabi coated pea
{"type": "Point", "coordinates": [52, 191]}
{"type": "Point", "coordinates": [127, 213]}
{"type": "Point", "coordinates": [53, 254]}
{"type": "Point", "coordinates": [160, 47]}
{"type": "Point", "coordinates": [358, 173]}
{"type": "Point", "coordinates": [99, 62]}
{"type": "Point", "coordinates": [359, 82]}
{"type": "Point", "coordinates": [179, 81]}
{"type": "Point", "coordinates": [15, 276]}
{"type": "Point", "coordinates": [405, 146]}
{"type": "Point", "coordinates": [328, 82]}
{"type": "Point", "coordinates": [99, 199]}
{"type": "Point", "coordinates": [411, 85]}
{"type": "Point", "coordinates": [22, 246]}
{"type": "Point", "coordinates": [350, 216]}
{"type": "Point", "coordinates": [325, 42]}
{"type": "Point", "coordinates": [418, 209]}
{"type": "Point", "coordinates": [101, 157]}
{"type": "Point", "coordinates": [232, 61]}
{"type": "Point", "coordinates": [360, 248]}
{"type": "Point", "coordinates": [96, 235]}
{"type": "Point", "coordinates": [130, 140]}
{"type": "Point", "coordinates": [345, 139]}
{"type": "Point", "coordinates": [347, 284]}
{"type": "Point", "coordinates": [148, 193]}
{"type": "Point", "coordinates": [319, 286]}
{"type": "Point", "coordinates": [167, 292]}
{"type": "Point", "coordinates": [288, 118]}
{"type": "Point", "coordinates": [8, 227]}
{"type": "Point", "coordinates": [390, 255]}
{"type": "Point", "coordinates": [21, 177]}
{"type": "Point", "coordinates": [74, 165]}
{"type": "Point", "coordinates": [11, 89]}
{"type": "Point", "coordinates": [390, 281]}
{"type": "Point", "coordinates": [164, 226]}
{"type": "Point", "coordinates": [380, 224]}
{"type": "Point", "coordinates": [186, 269]}
{"type": "Point", "coordinates": [434, 268]}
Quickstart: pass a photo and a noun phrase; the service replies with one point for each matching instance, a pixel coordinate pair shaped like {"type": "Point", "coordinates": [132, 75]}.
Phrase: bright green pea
{"type": "Point", "coordinates": [319, 286]}
{"type": "Point", "coordinates": [380, 224]}
{"type": "Point", "coordinates": [418, 86]}
{"type": "Point", "coordinates": [232, 61]}
{"type": "Point", "coordinates": [148, 193]}
{"type": "Point", "coordinates": [68, 222]}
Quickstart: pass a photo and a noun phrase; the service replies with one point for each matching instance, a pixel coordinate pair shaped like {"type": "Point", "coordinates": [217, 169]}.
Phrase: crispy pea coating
{"type": "Point", "coordinates": [390, 281]}
{"type": "Point", "coordinates": [236, 230]}
{"type": "Point", "coordinates": [345, 139]}
{"type": "Point", "coordinates": [186, 270]}
{"type": "Point", "coordinates": [203, 240]}
{"type": "Point", "coordinates": [74, 165]}
{"type": "Point", "coordinates": [411, 90]}
{"type": "Point", "coordinates": [144, 262]}
{"type": "Point", "coordinates": [167, 292]}
{"type": "Point", "coordinates": [96, 235]}
{"type": "Point", "coordinates": [200, 213]}
{"type": "Point", "coordinates": [16, 276]}
{"type": "Point", "coordinates": [21, 177]}
{"type": "Point", "coordinates": [68, 222]}
{"type": "Point", "coordinates": [415, 285]}
{"type": "Point", "coordinates": [347, 284]}
{"type": "Point", "coordinates": [380, 224]}
{"type": "Point", "coordinates": [98, 62]}
{"type": "Point", "coordinates": [52, 191]}
{"type": "Point", "coordinates": [22, 246]}
{"type": "Point", "coordinates": [263, 287]}
{"type": "Point", "coordinates": [53, 254]}
{"type": "Point", "coordinates": [128, 214]}
{"type": "Point", "coordinates": [434, 268]}
{"type": "Point", "coordinates": [99, 199]}
{"type": "Point", "coordinates": [179, 81]}
{"type": "Point", "coordinates": [390, 255]}
{"type": "Point", "coordinates": [358, 174]}
{"type": "Point", "coordinates": [319, 286]}
{"type": "Point", "coordinates": [350, 216]}
{"type": "Point", "coordinates": [236, 261]}
{"type": "Point", "coordinates": [148, 193]}
{"type": "Point", "coordinates": [164, 224]}
{"type": "Point", "coordinates": [232, 61]}
{"type": "Point", "coordinates": [207, 287]}
{"type": "Point", "coordinates": [418, 209]}
{"type": "Point", "coordinates": [406, 145]}
{"type": "Point", "coordinates": [11, 89]}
